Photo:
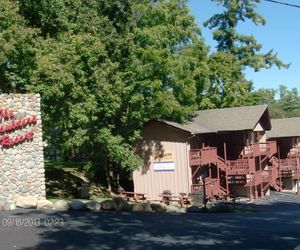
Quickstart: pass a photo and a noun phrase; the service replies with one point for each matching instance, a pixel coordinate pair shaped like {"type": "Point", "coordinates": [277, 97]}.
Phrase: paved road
{"type": "Point", "coordinates": [276, 225]}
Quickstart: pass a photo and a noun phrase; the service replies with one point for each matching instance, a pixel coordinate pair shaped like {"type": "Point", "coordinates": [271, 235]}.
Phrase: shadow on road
{"type": "Point", "coordinates": [121, 230]}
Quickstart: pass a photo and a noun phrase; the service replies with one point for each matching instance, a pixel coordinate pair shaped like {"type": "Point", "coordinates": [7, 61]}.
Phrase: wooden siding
{"type": "Point", "coordinates": [159, 138]}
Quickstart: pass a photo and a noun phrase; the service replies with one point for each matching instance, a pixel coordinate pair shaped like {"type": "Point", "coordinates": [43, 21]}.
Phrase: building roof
{"type": "Point", "coordinates": [286, 127]}
{"type": "Point", "coordinates": [226, 119]}
{"type": "Point", "coordinates": [189, 127]}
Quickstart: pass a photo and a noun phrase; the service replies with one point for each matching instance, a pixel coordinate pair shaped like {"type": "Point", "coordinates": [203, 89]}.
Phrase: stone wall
{"type": "Point", "coordinates": [21, 147]}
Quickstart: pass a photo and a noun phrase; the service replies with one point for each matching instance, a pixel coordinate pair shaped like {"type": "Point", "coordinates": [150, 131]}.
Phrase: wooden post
{"type": "Point", "coordinates": [225, 160]}
{"type": "Point", "coordinates": [261, 183]}
{"type": "Point", "coordinates": [279, 168]}
{"type": "Point", "coordinates": [297, 173]}
{"type": "Point", "coordinates": [250, 191]}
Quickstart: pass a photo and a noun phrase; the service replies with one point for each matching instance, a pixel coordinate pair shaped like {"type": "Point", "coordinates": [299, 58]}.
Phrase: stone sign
{"type": "Point", "coordinates": [21, 147]}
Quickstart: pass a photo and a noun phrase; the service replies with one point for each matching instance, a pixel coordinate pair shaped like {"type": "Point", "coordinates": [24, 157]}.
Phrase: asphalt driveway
{"type": "Point", "coordinates": [275, 225]}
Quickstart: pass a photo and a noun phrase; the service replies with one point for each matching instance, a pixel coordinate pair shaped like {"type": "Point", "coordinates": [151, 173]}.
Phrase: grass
{"type": "Point", "coordinates": [245, 211]}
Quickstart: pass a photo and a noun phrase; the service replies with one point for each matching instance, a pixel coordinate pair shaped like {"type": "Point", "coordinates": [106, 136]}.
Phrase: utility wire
{"type": "Point", "coordinates": [282, 3]}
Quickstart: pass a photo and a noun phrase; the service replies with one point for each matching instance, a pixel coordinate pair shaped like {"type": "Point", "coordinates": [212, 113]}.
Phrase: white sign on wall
{"type": "Point", "coordinates": [163, 161]}
{"type": "Point", "coordinates": [164, 166]}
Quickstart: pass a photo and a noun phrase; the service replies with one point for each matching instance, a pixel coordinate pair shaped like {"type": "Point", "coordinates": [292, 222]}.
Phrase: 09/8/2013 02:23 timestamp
{"type": "Point", "coordinates": [20, 221]}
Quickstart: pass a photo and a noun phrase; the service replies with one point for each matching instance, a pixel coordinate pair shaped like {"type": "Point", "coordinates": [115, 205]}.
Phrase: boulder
{"type": "Point", "coordinates": [141, 207]}
{"type": "Point", "coordinates": [77, 205]}
{"type": "Point", "coordinates": [121, 204]}
{"type": "Point", "coordinates": [26, 202]}
{"type": "Point", "coordinates": [6, 205]}
{"type": "Point", "coordinates": [158, 207]}
{"type": "Point", "coordinates": [44, 204]}
{"type": "Point", "coordinates": [108, 205]}
{"type": "Point", "coordinates": [174, 209]}
{"type": "Point", "coordinates": [93, 205]}
{"type": "Point", "coordinates": [61, 205]}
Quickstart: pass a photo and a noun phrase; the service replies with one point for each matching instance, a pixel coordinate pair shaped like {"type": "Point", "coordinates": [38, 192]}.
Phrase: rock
{"type": "Point", "coordinates": [61, 205]}
{"type": "Point", "coordinates": [6, 205]}
{"type": "Point", "coordinates": [141, 207]}
{"type": "Point", "coordinates": [121, 204]}
{"type": "Point", "coordinates": [93, 205]}
{"type": "Point", "coordinates": [173, 209]}
{"type": "Point", "coordinates": [44, 204]}
{"type": "Point", "coordinates": [193, 209]}
{"type": "Point", "coordinates": [158, 207]}
{"type": "Point", "coordinates": [26, 202]}
{"type": "Point", "coordinates": [77, 205]}
{"type": "Point", "coordinates": [108, 205]}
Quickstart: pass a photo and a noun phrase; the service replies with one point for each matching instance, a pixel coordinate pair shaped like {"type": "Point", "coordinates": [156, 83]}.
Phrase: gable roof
{"type": "Point", "coordinates": [188, 127]}
{"type": "Point", "coordinates": [286, 127]}
{"type": "Point", "coordinates": [225, 120]}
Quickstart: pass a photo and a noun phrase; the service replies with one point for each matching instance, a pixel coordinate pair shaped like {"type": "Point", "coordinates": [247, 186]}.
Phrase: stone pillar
{"type": "Point", "coordinates": [21, 146]}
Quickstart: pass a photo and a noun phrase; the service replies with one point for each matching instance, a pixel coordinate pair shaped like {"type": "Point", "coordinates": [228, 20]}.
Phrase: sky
{"type": "Point", "coordinates": [281, 33]}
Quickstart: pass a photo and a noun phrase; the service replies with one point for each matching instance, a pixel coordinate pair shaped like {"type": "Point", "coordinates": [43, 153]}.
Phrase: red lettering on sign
{"type": "Point", "coordinates": [13, 124]}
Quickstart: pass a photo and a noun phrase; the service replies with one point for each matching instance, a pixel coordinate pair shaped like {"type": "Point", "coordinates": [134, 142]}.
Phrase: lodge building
{"type": "Point", "coordinates": [225, 150]}
{"type": "Point", "coordinates": [286, 132]}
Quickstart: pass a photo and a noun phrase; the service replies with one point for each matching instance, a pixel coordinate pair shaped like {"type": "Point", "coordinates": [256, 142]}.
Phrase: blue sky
{"type": "Point", "coordinates": [281, 33]}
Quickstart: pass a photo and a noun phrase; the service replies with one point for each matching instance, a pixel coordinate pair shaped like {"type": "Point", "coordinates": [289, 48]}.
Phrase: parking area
{"type": "Point", "coordinates": [275, 225]}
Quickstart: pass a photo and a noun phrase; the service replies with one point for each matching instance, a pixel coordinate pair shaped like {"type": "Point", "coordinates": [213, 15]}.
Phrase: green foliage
{"type": "Point", "coordinates": [228, 87]}
{"type": "Point", "coordinates": [117, 151]}
{"type": "Point", "coordinates": [235, 52]}
{"type": "Point", "coordinates": [16, 48]}
{"type": "Point", "coordinates": [287, 105]}
{"type": "Point", "coordinates": [244, 47]}
{"type": "Point", "coordinates": [103, 68]}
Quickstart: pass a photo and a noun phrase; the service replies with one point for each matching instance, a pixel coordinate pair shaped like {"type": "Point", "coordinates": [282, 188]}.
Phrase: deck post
{"type": "Point", "coordinates": [255, 192]}
{"type": "Point", "coordinates": [297, 173]}
{"type": "Point", "coordinates": [261, 183]}
{"type": "Point", "coordinates": [250, 192]}
{"type": "Point", "coordinates": [225, 159]}
{"type": "Point", "coordinates": [279, 168]}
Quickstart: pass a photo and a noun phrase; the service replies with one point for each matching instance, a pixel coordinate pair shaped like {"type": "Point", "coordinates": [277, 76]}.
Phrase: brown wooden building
{"type": "Point", "coordinates": [286, 132]}
{"type": "Point", "coordinates": [224, 148]}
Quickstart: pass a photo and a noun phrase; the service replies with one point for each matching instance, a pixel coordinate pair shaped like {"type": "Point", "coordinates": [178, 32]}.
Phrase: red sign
{"type": "Point", "coordinates": [13, 124]}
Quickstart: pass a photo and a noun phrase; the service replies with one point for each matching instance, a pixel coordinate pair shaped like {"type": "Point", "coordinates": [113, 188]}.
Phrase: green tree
{"type": "Point", "coordinates": [235, 52]}
{"type": "Point", "coordinates": [287, 105]}
{"type": "Point", "coordinates": [16, 48]}
{"type": "Point", "coordinates": [103, 68]}
{"type": "Point", "coordinates": [244, 47]}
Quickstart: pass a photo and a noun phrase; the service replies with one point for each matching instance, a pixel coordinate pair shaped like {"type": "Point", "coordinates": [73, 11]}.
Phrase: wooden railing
{"type": "Point", "coordinates": [289, 164]}
{"type": "Point", "coordinates": [268, 148]}
{"type": "Point", "coordinates": [270, 175]}
{"type": "Point", "coordinates": [238, 167]}
{"type": "Point", "coordinates": [264, 148]}
{"type": "Point", "coordinates": [255, 179]}
{"type": "Point", "coordinates": [203, 156]}
{"type": "Point", "coordinates": [212, 188]}
{"type": "Point", "coordinates": [209, 155]}
{"type": "Point", "coordinates": [195, 157]}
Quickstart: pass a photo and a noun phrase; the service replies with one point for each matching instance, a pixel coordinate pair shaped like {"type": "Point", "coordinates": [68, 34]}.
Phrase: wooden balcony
{"type": "Point", "coordinates": [241, 167]}
{"type": "Point", "coordinates": [203, 156]}
{"type": "Point", "coordinates": [289, 164]}
{"type": "Point", "coordinates": [255, 179]}
{"type": "Point", "coordinates": [212, 188]}
{"type": "Point", "coordinates": [268, 148]}
{"type": "Point", "coordinates": [195, 157]}
{"type": "Point", "coordinates": [238, 167]}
